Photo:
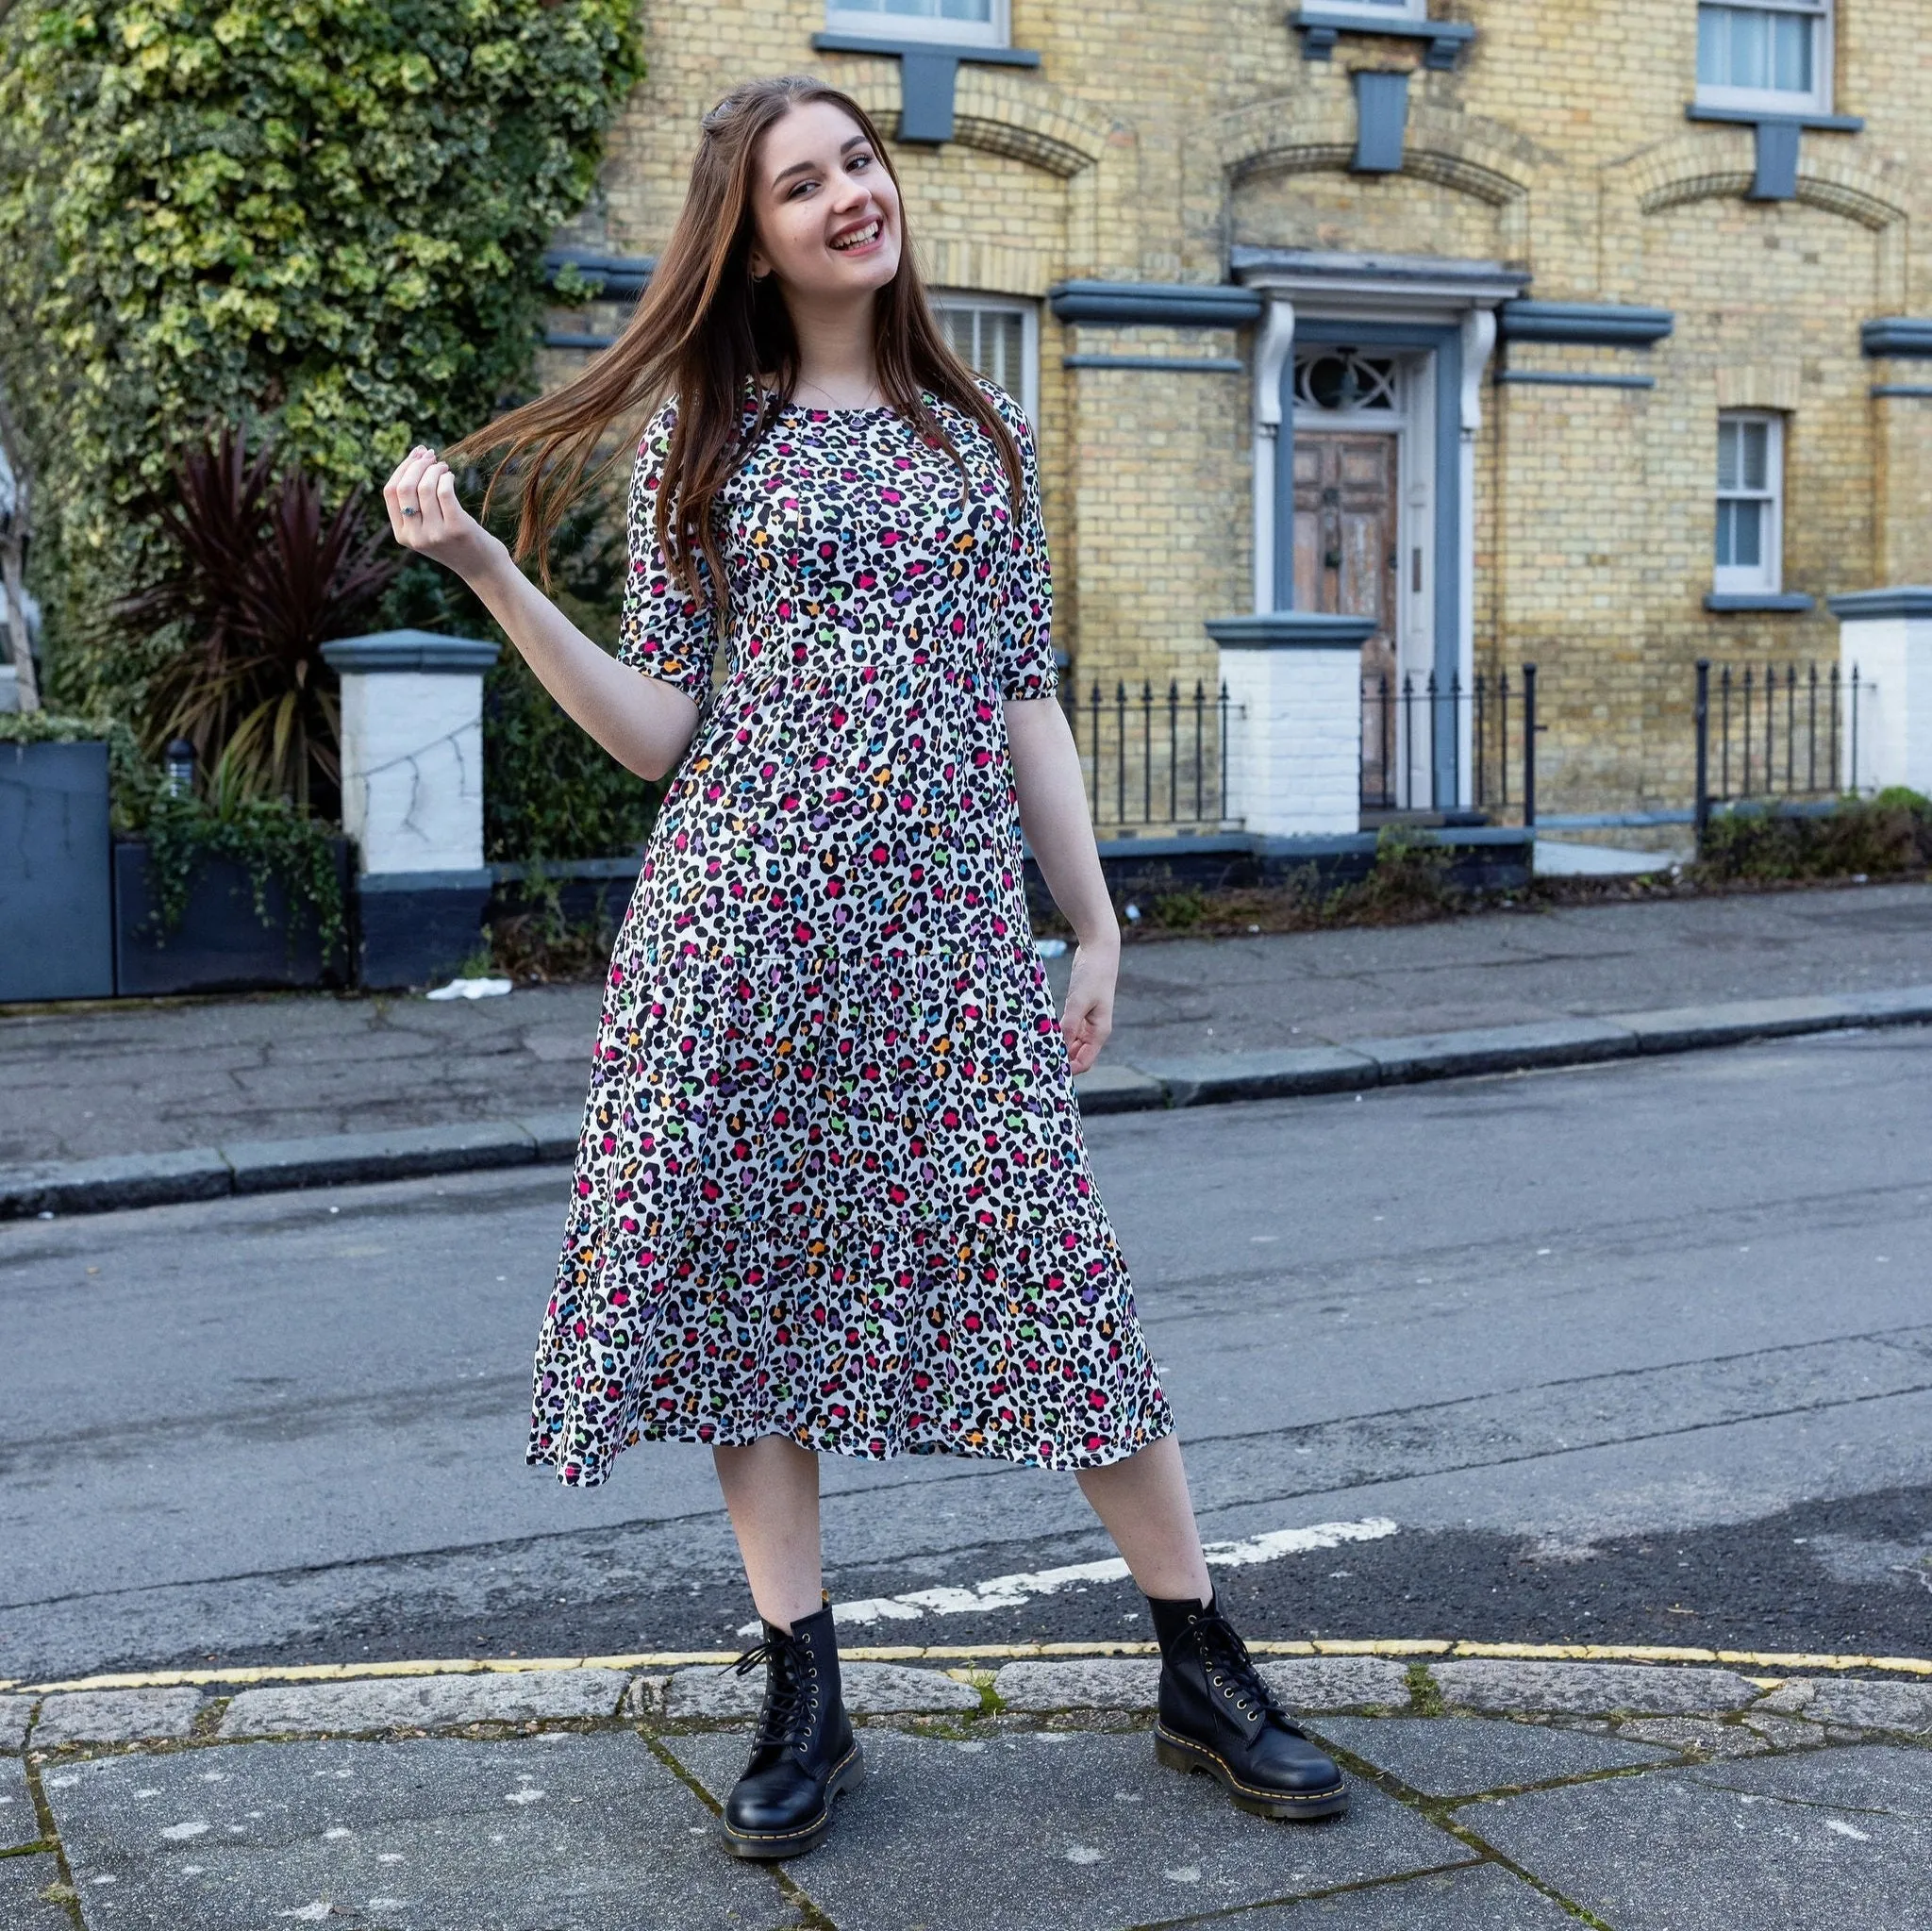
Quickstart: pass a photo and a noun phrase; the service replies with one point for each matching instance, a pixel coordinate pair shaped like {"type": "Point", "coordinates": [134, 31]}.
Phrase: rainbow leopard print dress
{"type": "Point", "coordinates": [832, 1182]}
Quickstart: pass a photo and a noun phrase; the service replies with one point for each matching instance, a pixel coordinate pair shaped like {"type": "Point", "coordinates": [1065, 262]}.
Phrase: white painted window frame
{"type": "Point", "coordinates": [1028, 313]}
{"type": "Point", "coordinates": [1372, 10]}
{"type": "Point", "coordinates": [880, 25]}
{"type": "Point", "coordinates": [1766, 579]}
{"type": "Point", "coordinates": [1818, 99]}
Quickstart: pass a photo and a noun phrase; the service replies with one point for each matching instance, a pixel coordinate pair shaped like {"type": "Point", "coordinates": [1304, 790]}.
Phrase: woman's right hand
{"type": "Point", "coordinates": [426, 517]}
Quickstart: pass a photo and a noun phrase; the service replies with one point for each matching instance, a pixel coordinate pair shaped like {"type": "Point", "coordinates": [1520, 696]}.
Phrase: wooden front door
{"type": "Point", "coordinates": [1345, 560]}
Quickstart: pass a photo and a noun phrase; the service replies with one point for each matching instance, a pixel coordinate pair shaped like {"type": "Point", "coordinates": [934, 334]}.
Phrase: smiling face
{"type": "Point", "coordinates": [825, 211]}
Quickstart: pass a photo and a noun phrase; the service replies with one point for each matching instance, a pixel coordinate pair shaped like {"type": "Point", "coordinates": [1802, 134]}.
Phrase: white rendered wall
{"type": "Point", "coordinates": [1295, 738]}
{"type": "Point", "coordinates": [413, 769]}
{"type": "Point", "coordinates": [1894, 654]}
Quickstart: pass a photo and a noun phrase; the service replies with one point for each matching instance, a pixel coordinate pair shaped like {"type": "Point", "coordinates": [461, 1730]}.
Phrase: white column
{"type": "Point", "coordinates": [412, 749]}
{"type": "Point", "coordinates": [1886, 637]}
{"type": "Point", "coordinates": [1478, 343]}
{"type": "Point", "coordinates": [1271, 351]}
{"type": "Point", "coordinates": [1294, 723]}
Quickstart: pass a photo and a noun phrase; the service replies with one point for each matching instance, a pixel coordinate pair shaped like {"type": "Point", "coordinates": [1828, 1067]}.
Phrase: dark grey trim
{"type": "Point", "coordinates": [1381, 122]}
{"type": "Point", "coordinates": [1897, 335]}
{"type": "Point", "coordinates": [1750, 117]}
{"type": "Point", "coordinates": [1186, 305]}
{"type": "Point", "coordinates": [1777, 152]}
{"type": "Point", "coordinates": [1181, 365]}
{"type": "Point", "coordinates": [623, 278]}
{"type": "Point", "coordinates": [1919, 389]}
{"type": "Point", "coordinates": [411, 649]}
{"type": "Point", "coordinates": [565, 339]}
{"type": "Point", "coordinates": [1605, 325]}
{"type": "Point", "coordinates": [1562, 378]}
{"type": "Point", "coordinates": [1313, 266]}
{"type": "Point", "coordinates": [425, 881]}
{"type": "Point", "coordinates": [1319, 31]}
{"type": "Point", "coordinates": [1727, 601]}
{"type": "Point", "coordinates": [928, 71]}
{"type": "Point", "coordinates": [1896, 600]}
{"type": "Point", "coordinates": [1292, 630]}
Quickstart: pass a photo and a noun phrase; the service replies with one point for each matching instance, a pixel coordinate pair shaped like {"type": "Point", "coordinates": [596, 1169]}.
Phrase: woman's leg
{"type": "Point", "coordinates": [1145, 1507]}
{"type": "Point", "coordinates": [772, 1489]}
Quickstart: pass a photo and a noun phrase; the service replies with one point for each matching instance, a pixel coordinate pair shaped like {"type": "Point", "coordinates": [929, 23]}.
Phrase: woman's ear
{"type": "Point", "coordinates": [759, 266]}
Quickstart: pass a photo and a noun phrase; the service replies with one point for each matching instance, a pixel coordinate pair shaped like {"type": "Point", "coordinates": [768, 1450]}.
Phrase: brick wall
{"type": "Point", "coordinates": [1152, 138]}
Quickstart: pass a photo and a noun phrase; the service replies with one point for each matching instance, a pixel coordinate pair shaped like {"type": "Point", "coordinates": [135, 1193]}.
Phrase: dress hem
{"type": "Point", "coordinates": [687, 1434]}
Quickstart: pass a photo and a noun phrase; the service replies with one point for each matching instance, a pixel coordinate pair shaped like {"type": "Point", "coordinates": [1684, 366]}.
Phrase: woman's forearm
{"type": "Point", "coordinates": [1053, 814]}
{"type": "Point", "coordinates": [644, 722]}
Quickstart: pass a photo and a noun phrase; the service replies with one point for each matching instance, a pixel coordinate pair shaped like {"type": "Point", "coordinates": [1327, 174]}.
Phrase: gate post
{"type": "Point", "coordinates": [1529, 730]}
{"type": "Point", "coordinates": [1701, 714]}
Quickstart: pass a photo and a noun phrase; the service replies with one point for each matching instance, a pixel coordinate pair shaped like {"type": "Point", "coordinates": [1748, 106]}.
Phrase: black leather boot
{"type": "Point", "coordinates": [1217, 1715]}
{"type": "Point", "coordinates": [804, 1753]}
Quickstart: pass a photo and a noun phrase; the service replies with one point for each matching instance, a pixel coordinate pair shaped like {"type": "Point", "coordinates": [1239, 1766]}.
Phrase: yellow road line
{"type": "Point", "coordinates": [990, 1652]}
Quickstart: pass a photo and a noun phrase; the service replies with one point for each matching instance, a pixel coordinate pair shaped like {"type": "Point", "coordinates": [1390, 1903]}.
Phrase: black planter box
{"type": "Point", "coordinates": [56, 917]}
{"type": "Point", "coordinates": [221, 945]}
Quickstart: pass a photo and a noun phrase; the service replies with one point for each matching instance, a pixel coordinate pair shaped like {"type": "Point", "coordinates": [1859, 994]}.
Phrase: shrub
{"type": "Point", "coordinates": [323, 216]}
{"type": "Point", "coordinates": [257, 577]}
{"type": "Point", "coordinates": [1869, 837]}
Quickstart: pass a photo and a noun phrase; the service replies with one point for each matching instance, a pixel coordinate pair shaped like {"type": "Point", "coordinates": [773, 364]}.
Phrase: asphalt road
{"type": "Point", "coordinates": [1641, 1353]}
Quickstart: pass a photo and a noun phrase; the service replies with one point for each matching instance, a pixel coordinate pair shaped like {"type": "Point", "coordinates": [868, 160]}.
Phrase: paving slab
{"type": "Point", "coordinates": [197, 1173]}
{"type": "Point", "coordinates": [1864, 1704]}
{"type": "Point", "coordinates": [591, 1833]}
{"type": "Point", "coordinates": [1590, 1688]}
{"type": "Point", "coordinates": [22, 1906]}
{"type": "Point", "coordinates": [1208, 1078]}
{"type": "Point", "coordinates": [115, 1716]}
{"type": "Point", "coordinates": [1308, 1683]}
{"type": "Point", "coordinates": [1684, 1028]}
{"type": "Point", "coordinates": [1068, 1831]}
{"type": "Point", "coordinates": [1473, 1897]}
{"type": "Point", "coordinates": [1115, 1087]}
{"type": "Point", "coordinates": [1464, 1757]}
{"type": "Point", "coordinates": [870, 1689]}
{"type": "Point", "coordinates": [344, 1159]}
{"type": "Point", "coordinates": [1840, 1838]}
{"type": "Point", "coordinates": [14, 1711]}
{"type": "Point", "coordinates": [18, 1824]}
{"type": "Point", "coordinates": [424, 1703]}
{"type": "Point", "coordinates": [1093, 1683]}
{"type": "Point", "coordinates": [1496, 1049]}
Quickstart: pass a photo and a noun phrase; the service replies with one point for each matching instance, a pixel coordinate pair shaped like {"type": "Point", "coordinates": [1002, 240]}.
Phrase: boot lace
{"type": "Point", "coordinates": [785, 1719]}
{"type": "Point", "coordinates": [1231, 1671]}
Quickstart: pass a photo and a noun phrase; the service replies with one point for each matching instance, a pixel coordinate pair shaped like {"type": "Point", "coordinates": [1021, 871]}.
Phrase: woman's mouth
{"type": "Point", "coordinates": [856, 239]}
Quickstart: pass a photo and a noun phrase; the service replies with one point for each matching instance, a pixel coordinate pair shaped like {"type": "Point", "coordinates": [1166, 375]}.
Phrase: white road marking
{"type": "Point", "coordinates": [1012, 1591]}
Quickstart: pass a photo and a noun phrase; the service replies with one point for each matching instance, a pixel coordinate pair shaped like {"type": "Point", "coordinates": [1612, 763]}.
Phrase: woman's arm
{"type": "Point", "coordinates": [1053, 814]}
{"type": "Point", "coordinates": [645, 722]}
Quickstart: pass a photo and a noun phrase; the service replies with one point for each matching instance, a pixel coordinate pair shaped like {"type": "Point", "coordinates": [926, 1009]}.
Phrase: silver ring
{"type": "Point", "coordinates": [407, 511]}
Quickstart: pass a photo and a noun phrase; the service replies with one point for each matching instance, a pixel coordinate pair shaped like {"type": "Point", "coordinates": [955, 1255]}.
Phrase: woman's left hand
{"type": "Point", "coordinates": [1088, 1015]}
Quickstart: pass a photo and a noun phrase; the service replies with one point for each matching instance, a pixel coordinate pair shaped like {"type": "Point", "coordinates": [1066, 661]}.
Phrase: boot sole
{"type": "Point", "coordinates": [769, 1846]}
{"type": "Point", "coordinates": [1178, 1753]}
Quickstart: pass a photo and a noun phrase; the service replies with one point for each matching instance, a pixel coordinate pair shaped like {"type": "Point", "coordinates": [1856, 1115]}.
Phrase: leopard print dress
{"type": "Point", "coordinates": [832, 1182]}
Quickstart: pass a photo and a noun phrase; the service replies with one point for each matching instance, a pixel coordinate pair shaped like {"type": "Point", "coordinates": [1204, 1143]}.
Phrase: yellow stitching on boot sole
{"type": "Point", "coordinates": [1253, 1790]}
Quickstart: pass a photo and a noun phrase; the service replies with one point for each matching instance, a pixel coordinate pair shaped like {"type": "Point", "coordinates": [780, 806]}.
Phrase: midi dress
{"type": "Point", "coordinates": [832, 1182]}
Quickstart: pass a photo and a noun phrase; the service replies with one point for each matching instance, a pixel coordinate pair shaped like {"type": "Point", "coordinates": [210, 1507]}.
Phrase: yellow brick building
{"type": "Point", "coordinates": [1527, 330]}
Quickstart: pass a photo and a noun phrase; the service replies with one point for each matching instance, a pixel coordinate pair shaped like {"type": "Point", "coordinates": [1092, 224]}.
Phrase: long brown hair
{"type": "Point", "coordinates": [703, 331]}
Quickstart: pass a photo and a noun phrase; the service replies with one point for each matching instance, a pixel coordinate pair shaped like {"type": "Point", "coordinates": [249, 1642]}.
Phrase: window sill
{"type": "Point", "coordinates": [984, 53]}
{"type": "Point", "coordinates": [1758, 600]}
{"type": "Point", "coordinates": [1320, 30]}
{"type": "Point", "coordinates": [1799, 117]}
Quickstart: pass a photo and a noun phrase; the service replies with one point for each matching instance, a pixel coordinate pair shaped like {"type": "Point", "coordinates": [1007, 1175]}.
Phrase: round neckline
{"type": "Point", "coordinates": [870, 408]}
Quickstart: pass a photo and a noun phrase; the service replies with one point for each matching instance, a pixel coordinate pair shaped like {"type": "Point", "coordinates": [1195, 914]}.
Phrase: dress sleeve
{"type": "Point", "coordinates": [663, 631]}
{"type": "Point", "coordinates": [1026, 667]}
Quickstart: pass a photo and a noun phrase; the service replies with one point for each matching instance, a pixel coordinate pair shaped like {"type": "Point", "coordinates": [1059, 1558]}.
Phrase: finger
{"type": "Point", "coordinates": [410, 484]}
{"type": "Point", "coordinates": [435, 513]}
{"type": "Point", "coordinates": [399, 494]}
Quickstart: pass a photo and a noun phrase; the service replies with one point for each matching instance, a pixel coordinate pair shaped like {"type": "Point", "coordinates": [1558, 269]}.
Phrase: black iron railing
{"type": "Point", "coordinates": [1413, 732]}
{"type": "Point", "coordinates": [1151, 758]}
{"type": "Point", "coordinates": [1767, 731]}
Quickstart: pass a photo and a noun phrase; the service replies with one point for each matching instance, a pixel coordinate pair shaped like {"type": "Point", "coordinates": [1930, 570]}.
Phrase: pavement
{"type": "Point", "coordinates": [1491, 1793]}
{"type": "Point", "coordinates": [135, 1103]}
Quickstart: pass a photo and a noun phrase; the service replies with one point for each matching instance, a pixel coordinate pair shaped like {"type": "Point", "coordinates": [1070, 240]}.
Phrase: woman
{"type": "Point", "coordinates": [832, 1193]}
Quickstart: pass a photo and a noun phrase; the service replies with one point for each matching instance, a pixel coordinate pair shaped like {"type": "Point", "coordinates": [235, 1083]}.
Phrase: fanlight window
{"type": "Point", "coordinates": [1343, 381]}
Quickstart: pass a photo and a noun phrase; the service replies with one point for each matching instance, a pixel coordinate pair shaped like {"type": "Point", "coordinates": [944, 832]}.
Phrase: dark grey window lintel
{"type": "Point", "coordinates": [928, 71]}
